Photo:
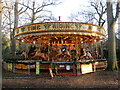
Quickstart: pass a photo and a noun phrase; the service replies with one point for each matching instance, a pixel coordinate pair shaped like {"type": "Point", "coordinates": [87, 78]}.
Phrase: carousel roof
{"type": "Point", "coordinates": [59, 33]}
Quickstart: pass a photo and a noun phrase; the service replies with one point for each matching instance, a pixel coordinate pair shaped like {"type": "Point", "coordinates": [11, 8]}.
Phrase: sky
{"type": "Point", "coordinates": [67, 7]}
{"type": "Point", "coordinates": [70, 6]}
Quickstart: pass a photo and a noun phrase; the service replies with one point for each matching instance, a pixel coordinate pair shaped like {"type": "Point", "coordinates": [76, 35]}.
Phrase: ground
{"type": "Point", "coordinates": [99, 79]}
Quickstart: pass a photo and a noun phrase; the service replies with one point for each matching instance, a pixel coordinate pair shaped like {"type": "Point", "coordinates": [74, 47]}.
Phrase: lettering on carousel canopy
{"type": "Point", "coordinates": [50, 26]}
{"type": "Point", "coordinates": [35, 27]}
{"type": "Point", "coordinates": [57, 26]}
{"type": "Point", "coordinates": [67, 26]}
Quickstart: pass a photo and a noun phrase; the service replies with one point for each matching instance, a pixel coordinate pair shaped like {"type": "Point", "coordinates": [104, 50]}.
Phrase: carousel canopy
{"type": "Point", "coordinates": [59, 33]}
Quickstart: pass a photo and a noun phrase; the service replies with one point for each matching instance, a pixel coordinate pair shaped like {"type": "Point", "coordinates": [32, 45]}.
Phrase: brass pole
{"type": "Point", "coordinates": [77, 48]}
{"type": "Point", "coordinates": [49, 49]}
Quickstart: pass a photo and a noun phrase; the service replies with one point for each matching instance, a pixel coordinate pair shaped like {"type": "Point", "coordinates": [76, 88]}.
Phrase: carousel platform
{"type": "Point", "coordinates": [56, 68]}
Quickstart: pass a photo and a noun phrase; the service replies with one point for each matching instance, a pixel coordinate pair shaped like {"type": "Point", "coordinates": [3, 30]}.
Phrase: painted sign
{"type": "Point", "coordinates": [86, 68]}
{"type": "Point", "coordinates": [10, 66]}
{"type": "Point", "coordinates": [37, 67]}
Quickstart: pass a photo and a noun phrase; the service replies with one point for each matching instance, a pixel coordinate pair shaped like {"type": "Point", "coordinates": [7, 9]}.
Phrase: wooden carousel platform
{"type": "Point", "coordinates": [56, 68]}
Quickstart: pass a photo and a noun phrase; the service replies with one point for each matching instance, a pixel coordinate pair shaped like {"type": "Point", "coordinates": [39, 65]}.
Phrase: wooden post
{"type": "Point", "coordinates": [94, 67]}
{"type": "Point", "coordinates": [74, 68]}
{"type": "Point", "coordinates": [50, 70]}
{"type": "Point", "coordinates": [78, 69]}
{"type": "Point", "coordinates": [51, 73]}
{"type": "Point", "coordinates": [13, 69]}
{"type": "Point", "coordinates": [55, 68]}
{"type": "Point", "coordinates": [28, 69]}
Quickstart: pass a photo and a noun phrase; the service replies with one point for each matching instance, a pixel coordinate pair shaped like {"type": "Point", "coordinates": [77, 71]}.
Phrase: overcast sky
{"type": "Point", "coordinates": [67, 7]}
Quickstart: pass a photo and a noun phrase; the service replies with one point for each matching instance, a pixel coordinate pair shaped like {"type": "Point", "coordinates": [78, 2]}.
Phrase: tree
{"type": "Point", "coordinates": [8, 26]}
{"type": "Point", "coordinates": [5, 47]}
{"type": "Point", "coordinates": [95, 15]}
{"type": "Point", "coordinates": [9, 23]}
{"type": "Point", "coordinates": [0, 32]}
{"type": "Point", "coordinates": [111, 21]}
{"type": "Point", "coordinates": [37, 11]}
{"type": "Point", "coordinates": [7, 18]}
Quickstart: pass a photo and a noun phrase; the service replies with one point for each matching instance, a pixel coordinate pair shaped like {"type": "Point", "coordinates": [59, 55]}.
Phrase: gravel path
{"type": "Point", "coordinates": [99, 79]}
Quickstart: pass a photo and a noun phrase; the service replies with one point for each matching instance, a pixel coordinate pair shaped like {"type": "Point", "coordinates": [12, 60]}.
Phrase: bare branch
{"type": "Point", "coordinates": [96, 19]}
{"type": "Point", "coordinates": [25, 6]}
{"type": "Point", "coordinates": [41, 8]}
{"type": "Point", "coordinates": [95, 6]}
{"type": "Point", "coordinates": [103, 23]}
{"type": "Point", "coordinates": [20, 9]}
{"type": "Point", "coordinates": [117, 11]}
{"type": "Point", "coordinates": [23, 11]}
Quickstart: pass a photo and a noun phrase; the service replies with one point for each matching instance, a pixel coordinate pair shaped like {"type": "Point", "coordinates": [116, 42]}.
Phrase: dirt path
{"type": "Point", "coordinates": [99, 79]}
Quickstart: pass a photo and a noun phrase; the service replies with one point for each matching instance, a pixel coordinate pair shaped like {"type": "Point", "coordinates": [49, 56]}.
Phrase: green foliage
{"type": "Point", "coordinates": [5, 47]}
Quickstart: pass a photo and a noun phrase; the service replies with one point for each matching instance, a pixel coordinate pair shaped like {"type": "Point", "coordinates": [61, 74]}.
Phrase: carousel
{"type": "Point", "coordinates": [63, 50]}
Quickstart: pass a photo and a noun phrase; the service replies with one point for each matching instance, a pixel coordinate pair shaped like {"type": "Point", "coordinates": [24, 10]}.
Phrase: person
{"type": "Point", "coordinates": [53, 52]}
{"type": "Point", "coordinates": [73, 55]}
{"type": "Point", "coordinates": [83, 53]}
{"type": "Point", "coordinates": [89, 55]}
{"type": "Point", "coordinates": [45, 51]}
{"type": "Point", "coordinates": [87, 50]}
{"type": "Point", "coordinates": [31, 51]}
{"type": "Point", "coordinates": [24, 54]}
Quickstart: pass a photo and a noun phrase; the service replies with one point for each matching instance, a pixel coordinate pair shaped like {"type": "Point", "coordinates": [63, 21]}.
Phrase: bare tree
{"type": "Point", "coordinates": [111, 20]}
{"type": "Point", "coordinates": [101, 9]}
{"type": "Point", "coordinates": [37, 10]}
{"type": "Point", "coordinates": [7, 20]}
{"type": "Point", "coordinates": [7, 17]}
{"type": "Point", "coordinates": [9, 23]}
{"type": "Point", "coordinates": [95, 15]}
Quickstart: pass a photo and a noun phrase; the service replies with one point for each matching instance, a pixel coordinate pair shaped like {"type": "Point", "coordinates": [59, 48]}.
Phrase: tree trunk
{"type": "Point", "coordinates": [0, 45]}
{"type": "Point", "coordinates": [0, 32]}
{"type": "Point", "coordinates": [33, 13]}
{"type": "Point", "coordinates": [15, 26]}
{"type": "Point", "coordinates": [112, 59]}
{"type": "Point", "coordinates": [13, 45]}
